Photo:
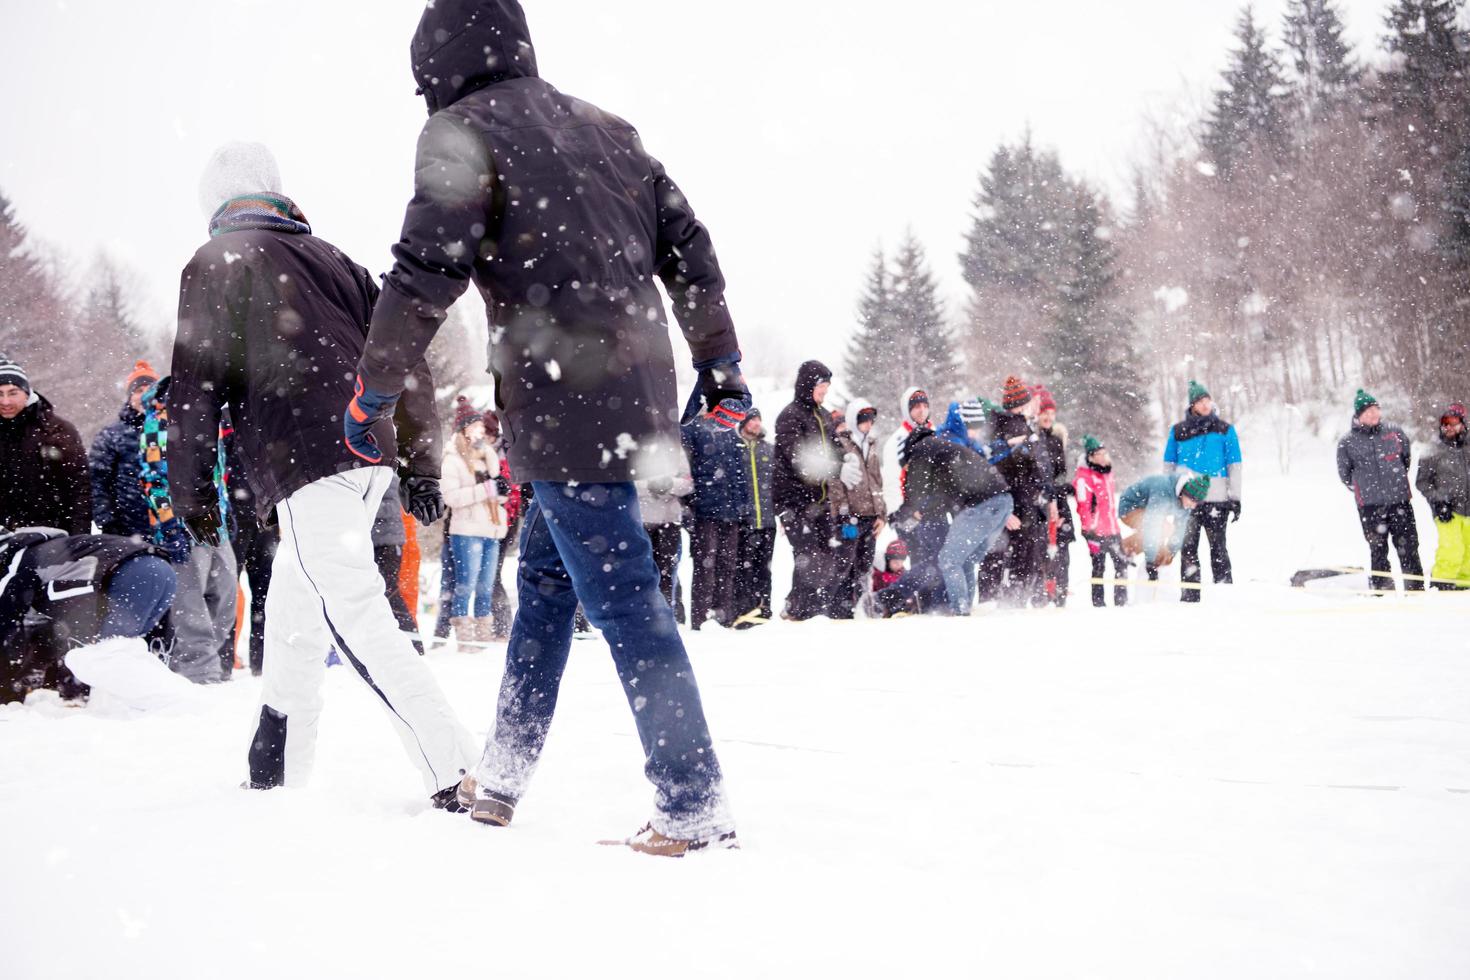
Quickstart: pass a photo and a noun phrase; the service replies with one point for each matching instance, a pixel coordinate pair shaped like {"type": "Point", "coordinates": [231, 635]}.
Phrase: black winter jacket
{"type": "Point", "coordinates": [945, 478]}
{"type": "Point", "coordinates": [1025, 469]}
{"type": "Point", "coordinates": [554, 210]}
{"type": "Point", "coordinates": [807, 456]}
{"type": "Point", "coordinates": [43, 471]}
{"type": "Point", "coordinates": [118, 504]}
{"type": "Point", "coordinates": [61, 577]}
{"type": "Point", "coordinates": [271, 325]}
{"type": "Point", "coordinates": [717, 464]}
{"type": "Point", "coordinates": [1053, 451]}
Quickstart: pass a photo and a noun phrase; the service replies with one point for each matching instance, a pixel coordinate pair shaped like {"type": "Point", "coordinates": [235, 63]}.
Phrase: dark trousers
{"type": "Point", "coordinates": [858, 561]}
{"type": "Point", "coordinates": [585, 541]}
{"type": "Point", "coordinates": [753, 580]}
{"type": "Point", "coordinates": [389, 558]}
{"type": "Point", "coordinates": [715, 551]}
{"type": "Point", "coordinates": [1211, 518]}
{"type": "Point", "coordinates": [814, 582]}
{"type": "Point", "coordinates": [255, 552]}
{"type": "Point", "coordinates": [1382, 522]}
{"type": "Point", "coordinates": [1014, 574]}
{"type": "Point", "coordinates": [666, 548]}
{"type": "Point", "coordinates": [1059, 569]}
{"type": "Point", "coordinates": [446, 587]}
{"type": "Point", "coordinates": [1111, 547]}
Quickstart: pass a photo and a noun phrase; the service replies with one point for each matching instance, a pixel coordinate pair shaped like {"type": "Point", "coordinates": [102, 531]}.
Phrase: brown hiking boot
{"type": "Point", "coordinates": [485, 806]}
{"type": "Point", "coordinates": [466, 637]}
{"type": "Point", "coordinates": [650, 841]}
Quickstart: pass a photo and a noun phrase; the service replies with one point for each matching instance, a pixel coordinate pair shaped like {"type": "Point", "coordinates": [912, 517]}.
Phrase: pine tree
{"type": "Point", "coordinates": [1322, 60]}
{"type": "Point", "coordinates": [1014, 250]}
{"type": "Point", "coordinates": [1250, 110]}
{"type": "Point", "coordinates": [1092, 369]}
{"type": "Point", "coordinates": [1431, 62]}
{"type": "Point", "coordinates": [902, 337]}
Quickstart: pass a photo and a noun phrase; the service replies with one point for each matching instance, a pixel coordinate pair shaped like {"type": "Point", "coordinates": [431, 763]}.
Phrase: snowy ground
{"type": "Point", "coordinates": [1273, 784]}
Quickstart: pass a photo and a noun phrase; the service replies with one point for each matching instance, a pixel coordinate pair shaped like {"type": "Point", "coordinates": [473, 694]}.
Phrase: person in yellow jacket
{"type": "Point", "coordinates": [1444, 480]}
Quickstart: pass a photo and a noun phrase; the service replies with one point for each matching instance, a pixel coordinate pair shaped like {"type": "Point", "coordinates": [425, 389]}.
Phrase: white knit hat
{"type": "Point", "coordinates": [235, 169]}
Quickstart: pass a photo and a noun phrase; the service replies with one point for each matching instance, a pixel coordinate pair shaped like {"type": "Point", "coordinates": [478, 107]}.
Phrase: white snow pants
{"type": "Point", "coordinates": [325, 591]}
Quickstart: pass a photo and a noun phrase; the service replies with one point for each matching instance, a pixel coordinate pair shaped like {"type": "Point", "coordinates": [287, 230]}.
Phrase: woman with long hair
{"type": "Point", "coordinates": [471, 488]}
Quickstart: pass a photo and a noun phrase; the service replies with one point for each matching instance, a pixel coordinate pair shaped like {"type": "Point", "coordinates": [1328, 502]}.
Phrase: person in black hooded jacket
{"type": "Point", "coordinates": [562, 220]}
{"type": "Point", "coordinates": [807, 460]}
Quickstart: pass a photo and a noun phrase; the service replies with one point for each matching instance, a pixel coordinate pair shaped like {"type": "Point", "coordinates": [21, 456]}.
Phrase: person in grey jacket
{"type": "Point", "coordinates": [1444, 480]}
{"type": "Point", "coordinates": [1373, 462]}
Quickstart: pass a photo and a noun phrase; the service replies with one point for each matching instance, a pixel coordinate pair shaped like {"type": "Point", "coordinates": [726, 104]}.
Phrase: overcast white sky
{"type": "Point", "coordinates": [804, 131]}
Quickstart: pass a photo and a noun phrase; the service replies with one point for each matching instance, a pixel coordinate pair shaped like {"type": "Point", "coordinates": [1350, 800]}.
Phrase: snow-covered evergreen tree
{"type": "Point", "coordinates": [1089, 346]}
{"type": "Point", "coordinates": [1322, 61]}
{"type": "Point", "coordinates": [1250, 110]}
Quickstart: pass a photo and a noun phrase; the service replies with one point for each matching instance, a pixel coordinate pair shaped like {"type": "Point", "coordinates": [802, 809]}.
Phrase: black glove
{"type": "Point", "coordinates": [483, 476]}
{"type": "Point", "coordinates": [719, 378]}
{"type": "Point", "coordinates": [1233, 509]}
{"type": "Point", "coordinates": [1444, 511]}
{"type": "Point", "coordinates": [421, 497]}
{"type": "Point", "coordinates": [502, 486]}
{"type": "Point", "coordinates": [1065, 490]}
{"type": "Point", "coordinates": [204, 527]}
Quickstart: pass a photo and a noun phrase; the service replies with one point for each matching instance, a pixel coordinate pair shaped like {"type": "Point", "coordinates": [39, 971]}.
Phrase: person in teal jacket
{"type": "Point", "coordinates": [1158, 509]}
{"type": "Point", "coordinates": [1206, 444]}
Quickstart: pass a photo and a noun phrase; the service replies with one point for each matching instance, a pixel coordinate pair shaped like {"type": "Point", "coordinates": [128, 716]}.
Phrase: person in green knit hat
{"type": "Point", "coordinates": [1373, 462]}
{"type": "Point", "coordinates": [1206, 444]}
{"type": "Point", "coordinates": [1158, 508]}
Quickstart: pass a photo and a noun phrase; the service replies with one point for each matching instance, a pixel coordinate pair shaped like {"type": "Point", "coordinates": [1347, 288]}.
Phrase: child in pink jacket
{"type": "Point", "coordinates": [1097, 516]}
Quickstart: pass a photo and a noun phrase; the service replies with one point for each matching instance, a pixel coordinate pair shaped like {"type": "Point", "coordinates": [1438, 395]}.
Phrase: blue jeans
{"type": "Point", "coordinates": [971, 534]}
{"type": "Point", "coordinates": [474, 574]}
{"type": "Point", "coordinates": [138, 594]}
{"type": "Point", "coordinates": [586, 542]}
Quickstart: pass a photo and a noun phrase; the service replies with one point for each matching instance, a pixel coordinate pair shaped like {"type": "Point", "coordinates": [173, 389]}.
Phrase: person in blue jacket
{"type": "Point", "coordinates": [1158, 508]}
{"type": "Point", "coordinates": [1207, 445]}
{"type": "Point", "coordinates": [721, 501]}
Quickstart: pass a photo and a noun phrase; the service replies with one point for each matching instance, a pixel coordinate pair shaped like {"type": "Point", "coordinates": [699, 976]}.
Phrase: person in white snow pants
{"type": "Point", "coordinates": [325, 591]}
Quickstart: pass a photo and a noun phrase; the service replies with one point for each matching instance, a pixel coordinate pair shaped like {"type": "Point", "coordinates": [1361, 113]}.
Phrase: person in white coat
{"type": "Point", "coordinates": [472, 487]}
{"type": "Point", "coordinates": [914, 409]}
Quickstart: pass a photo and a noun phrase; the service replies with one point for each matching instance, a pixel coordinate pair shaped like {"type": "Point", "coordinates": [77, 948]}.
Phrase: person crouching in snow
{"type": "Point", "coordinates": [1097, 515]}
{"type": "Point", "coordinates": [98, 596]}
{"type": "Point", "coordinates": [1158, 508]}
{"type": "Point", "coordinates": [953, 480]}
{"type": "Point", "coordinates": [1444, 479]}
{"type": "Point", "coordinates": [272, 321]}
{"type": "Point", "coordinates": [584, 379]}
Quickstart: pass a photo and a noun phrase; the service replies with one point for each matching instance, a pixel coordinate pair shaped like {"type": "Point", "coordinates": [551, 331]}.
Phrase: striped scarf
{"type": "Point", "coordinates": [266, 212]}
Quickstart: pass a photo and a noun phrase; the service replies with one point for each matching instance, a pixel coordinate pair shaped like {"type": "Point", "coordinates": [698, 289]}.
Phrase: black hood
{"type": "Point", "coordinates": [808, 376]}
{"type": "Point", "coordinates": [462, 46]}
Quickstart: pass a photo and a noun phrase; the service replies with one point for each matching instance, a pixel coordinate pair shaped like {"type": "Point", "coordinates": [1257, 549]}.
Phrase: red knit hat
{"type": "Point", "coordinates": [143, 376]}
{"type": "Point", "coordinates": [1048, 403]}
{"type": "Point", "coordinates": [492, 423]}
{"type": "Point", "coordinates": [465, 414]}
{"type": "Point", "coordinates": [1015, 394]}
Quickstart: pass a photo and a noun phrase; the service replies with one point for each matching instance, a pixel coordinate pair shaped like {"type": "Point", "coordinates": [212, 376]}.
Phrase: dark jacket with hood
{"type": "Point", "coordinates": [115, 462]}
{"type": "Point", "coordinates": [271, 325]}
{"type": "Point", "coordinates": [1444, 474]}
{"type": "Point", "coordinates": [554, 210]}
{"type": "Point", "coordinates": [43, 471]}
{"type": "Point", "coordinates": [1373, 462]}
{"type": "Point", "coordinates": [945, 477]}
{"type": "Point", "coordinates": [759, 459]}
{"type": "Point", "coordinates": [807, 456]}
{"type": "Point", "coordinates": [1052, 444]}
